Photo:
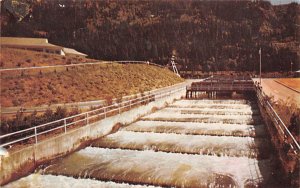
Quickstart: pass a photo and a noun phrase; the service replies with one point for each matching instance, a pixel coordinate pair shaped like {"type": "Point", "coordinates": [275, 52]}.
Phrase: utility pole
{"type": "Point", "coordinates": [260, 66]}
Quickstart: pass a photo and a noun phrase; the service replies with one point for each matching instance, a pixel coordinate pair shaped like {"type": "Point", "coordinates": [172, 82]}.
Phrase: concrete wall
{"type": "Point", "coordinates": [23, 162]}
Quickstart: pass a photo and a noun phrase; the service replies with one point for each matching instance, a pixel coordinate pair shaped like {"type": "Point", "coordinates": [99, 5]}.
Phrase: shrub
{"type": "Point", "coordinates": [289, 113]}
{"type": "Point", "coordinates": [119, 99]}
{"type": "Point", "coordinates": [60, 112]}
{"type": "Point", "coordinates": [74, 111]}
{"type": "Point", "coordinates": [108, 100]}
{"type": "Point", "coordinates": [295, 123]}
{"type": "Point", "coordinates": [50, 87]}
{"type": "Point", "coordinates": [53, 101]}
{"type": "Point", "coordinates": [21, 121]}
{"type": "Point", "coordinates": [16, 102]}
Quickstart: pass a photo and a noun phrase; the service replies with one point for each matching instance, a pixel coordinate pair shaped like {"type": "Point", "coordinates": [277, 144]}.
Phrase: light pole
{"type": "Point", "coordinates": [260, 66]}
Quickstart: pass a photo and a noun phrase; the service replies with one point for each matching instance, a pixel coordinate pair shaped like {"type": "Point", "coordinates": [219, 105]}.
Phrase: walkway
{"type": "Point", "coordinates": [273, 89]}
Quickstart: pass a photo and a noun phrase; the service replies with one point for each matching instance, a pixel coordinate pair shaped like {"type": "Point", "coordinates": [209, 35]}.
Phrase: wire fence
{"type": "Point", "coordinates": [35, 134]}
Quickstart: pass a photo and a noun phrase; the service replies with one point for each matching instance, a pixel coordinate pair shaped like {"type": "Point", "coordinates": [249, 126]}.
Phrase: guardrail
{"type": "Point", "coordinates": [140, 62]}
{"type": "Point", "coordinates": [284, 132]}
{"type": "Point", "coordinates": [61, 126]}
{"type": "Point", "coordinates": [78, 64]}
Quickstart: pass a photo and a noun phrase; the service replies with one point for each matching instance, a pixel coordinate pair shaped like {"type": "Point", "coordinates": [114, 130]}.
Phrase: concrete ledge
{"type": "Point", "coordinates": [24, 161]}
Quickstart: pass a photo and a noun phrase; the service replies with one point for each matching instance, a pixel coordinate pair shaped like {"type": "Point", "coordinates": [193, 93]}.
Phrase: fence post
{"type": "Point", "coordinates": [65, 123]}
{"type": "Point", "coordinates": [35, 135]}
{"type": "Point", "coordinates": [119, 106]}
{"type": "Point", "coordinates": [104, 112]}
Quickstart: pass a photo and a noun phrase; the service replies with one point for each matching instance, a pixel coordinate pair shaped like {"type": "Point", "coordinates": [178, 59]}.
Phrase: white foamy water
{"type": "Point", "coordinates": [52, 181]}
{"type": "Point", "coordinates": [164, 115]}
{"type": "Point", "coordinates": [224, 111]}
{"type": "Point", "coordinates": [212, 101]}
{"type": "Point", "coordinates": [196, 144]}
{"type": "Point", "coordinates": [178, 114]}
{"type": "Point", "coordinates": [198, 128]}
{"type": "Point", "coordinates": [160, 168]}
{"type": "Point", "coordinates": [218, 104]}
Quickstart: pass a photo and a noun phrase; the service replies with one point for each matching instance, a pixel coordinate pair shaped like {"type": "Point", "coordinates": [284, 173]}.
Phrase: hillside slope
{"type": "Point", "coordinates": [81, 83]}
{"type": "Point", "coordinates": [15, 58]}
{"type": "Point", "coordinates": [207, 35]}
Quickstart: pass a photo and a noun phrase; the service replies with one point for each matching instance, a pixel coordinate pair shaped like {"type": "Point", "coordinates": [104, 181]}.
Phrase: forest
{"type": "Point", "coordinates": [203, 35]}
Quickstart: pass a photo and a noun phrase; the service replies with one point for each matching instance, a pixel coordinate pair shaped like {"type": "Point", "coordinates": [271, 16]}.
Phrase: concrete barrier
{"type": "Point", "coordinates": [24, 161]}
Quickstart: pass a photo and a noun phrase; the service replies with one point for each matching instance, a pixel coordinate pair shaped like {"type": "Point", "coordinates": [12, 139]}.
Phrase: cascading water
{"type": "Point", "coordinates": [190, 143]}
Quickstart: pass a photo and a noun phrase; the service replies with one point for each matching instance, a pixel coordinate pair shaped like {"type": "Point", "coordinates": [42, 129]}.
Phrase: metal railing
{"type": "Point", "coordinates": [140, 62]}
{"type": "Point", "coordinates": [61, 126]}
{"type": "Point", "coordinates": [283, 131]}
{"type": "Point", "coordinates": [78, 64]}
{"type": "Point", "coordinates": [220, 88]}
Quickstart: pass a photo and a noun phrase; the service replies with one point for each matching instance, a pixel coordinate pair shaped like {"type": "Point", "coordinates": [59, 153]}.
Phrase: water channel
{"type": "Point", "coordinates": [189, 143]}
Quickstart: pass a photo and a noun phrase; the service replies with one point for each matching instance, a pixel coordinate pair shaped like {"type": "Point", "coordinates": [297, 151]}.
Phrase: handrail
{"type": "Point", "coordinates": [53, 66]}
{"type": "Point", "coordinates": [77, 64]}
{"type": "Point", "coordinates": [142, 62]}
{"type": "Point", "coordinates": [31, 128]}
{"type": "Point", "coordinates": [86, 116]}
{"type": "Point", "coordinates": [284, 126]}
{"type": "Point", "coordinates": [264, 101]}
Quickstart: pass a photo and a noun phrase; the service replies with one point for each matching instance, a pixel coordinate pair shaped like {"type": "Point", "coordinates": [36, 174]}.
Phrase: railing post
{"type": "Point", "coordinates": [119, 107]}
{"type": "Point", "coordinates": [65, 124]}
{"type": "Point", "coordinates": [35, 135]}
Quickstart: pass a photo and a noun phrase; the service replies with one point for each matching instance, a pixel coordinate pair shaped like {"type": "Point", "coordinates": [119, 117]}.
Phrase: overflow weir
{"type": "Point", "coordinates": [205, 142]}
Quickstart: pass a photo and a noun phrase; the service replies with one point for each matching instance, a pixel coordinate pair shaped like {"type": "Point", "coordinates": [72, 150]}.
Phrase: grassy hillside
{"type": "Point", "coordinates": [10, 58]}
{"type": "Point", "coordinates": [81, 83]}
